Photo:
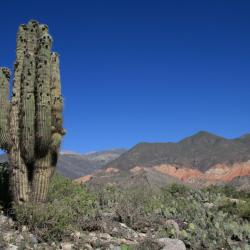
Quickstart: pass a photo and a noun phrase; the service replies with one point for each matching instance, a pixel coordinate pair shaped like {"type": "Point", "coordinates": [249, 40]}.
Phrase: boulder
{"type": "Point", "coordinates": [172, 244]}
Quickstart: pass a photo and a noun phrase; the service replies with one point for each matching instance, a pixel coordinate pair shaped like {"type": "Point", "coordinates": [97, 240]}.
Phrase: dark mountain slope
{"type": "Point", "coordinates": [245, 139]}
{"type": "Point", "coordinates": [200, 151]}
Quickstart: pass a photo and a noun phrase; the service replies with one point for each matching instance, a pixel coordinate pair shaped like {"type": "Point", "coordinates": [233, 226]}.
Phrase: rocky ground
{"type": "Point", "coordinates": [120, 237]}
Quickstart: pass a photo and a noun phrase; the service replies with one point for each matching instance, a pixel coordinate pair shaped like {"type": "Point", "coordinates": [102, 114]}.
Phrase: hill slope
{"type": "Point", "coordinates": [73, 165]}
{"type": "Point", "coordinates": [200, 151]}
{"type": "Point", "coordinates": [199, 160]}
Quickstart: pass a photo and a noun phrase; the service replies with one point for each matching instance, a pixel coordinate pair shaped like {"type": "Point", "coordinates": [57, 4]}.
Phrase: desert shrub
{"type": "Point", "coordinates": [176, 189]}
{"type": "Point", "coordinates": [108, 197]}
{"type": "Point", "coordinates": [239, 208]}
{"type": "Point", "coordinates": [135, 207]}
{"type": "Point", "coordinates": [206, 219]}
{"type": "Point", "coordinates": [244, 209]}
{"type": "Point", "coordinates": [67, 207]}
{"type": "Point", "coordinates": [149, 244]}
{"type": "Point", "coordinates": [203, 221]}
{"type": "Point", "coordinates": [228, 191]}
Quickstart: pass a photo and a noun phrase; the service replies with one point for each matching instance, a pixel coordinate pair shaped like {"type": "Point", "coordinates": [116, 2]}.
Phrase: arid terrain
{"type": "Point", "coordinates": [199, 160]}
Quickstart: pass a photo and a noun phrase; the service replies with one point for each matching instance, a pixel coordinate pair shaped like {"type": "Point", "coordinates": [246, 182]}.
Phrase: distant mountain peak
{"type": "Point", "coordinates": [202, 137]}
{"type": "Point", "coordinates": [245, 136]}
{"type": "Point", "coordinates": [204, 133]}
{"type": "Point", "coordinates": [68, 152]}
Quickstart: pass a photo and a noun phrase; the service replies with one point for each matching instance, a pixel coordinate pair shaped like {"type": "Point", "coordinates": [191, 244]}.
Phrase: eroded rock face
{"type": "Point", "coordinates": [217, 173]}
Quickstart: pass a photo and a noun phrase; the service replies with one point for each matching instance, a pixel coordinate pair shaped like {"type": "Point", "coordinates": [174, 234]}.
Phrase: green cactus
{"type": "Point", "coordinates": [31, 124]}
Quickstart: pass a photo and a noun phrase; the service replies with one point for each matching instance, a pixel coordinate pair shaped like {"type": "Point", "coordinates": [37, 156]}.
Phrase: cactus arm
{"type": "Point", "coordinates": [27, 113]}
{"type": "Point", "coordinates": [4, 108]}
{"type": "Point", "coordinates": [19, 176]}
{"type": "Point", "coordinates": [57, 104]}
{"type": "Point", "coordinates": [43, 101]}
{"type": "Point", "coordinates": [45, 166]}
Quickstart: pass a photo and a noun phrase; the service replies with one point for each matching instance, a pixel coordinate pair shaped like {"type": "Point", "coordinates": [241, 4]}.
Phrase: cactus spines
{"type": "Point", "coordinates": [43, 104]}
{"type": "Point", "coordinates": [5, 105]}
{"type": "Point", "coordinates": [31, 124]}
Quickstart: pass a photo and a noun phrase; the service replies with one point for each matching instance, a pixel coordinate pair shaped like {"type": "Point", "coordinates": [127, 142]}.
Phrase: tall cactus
{"type": "Point", "coordinates": [31, 123]}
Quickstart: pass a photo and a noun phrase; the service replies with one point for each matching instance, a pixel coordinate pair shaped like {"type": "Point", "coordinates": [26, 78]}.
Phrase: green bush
{"type": "Point", "coordinates": [244, 209]}
{"type": "Point", "coordinates": [241, 208]}
{"type": "Point", "coordinates": [67, 207]}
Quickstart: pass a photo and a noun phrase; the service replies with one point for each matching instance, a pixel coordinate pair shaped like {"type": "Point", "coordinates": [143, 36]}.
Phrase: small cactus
{"type": "Point", "coordinates": [31, 123]}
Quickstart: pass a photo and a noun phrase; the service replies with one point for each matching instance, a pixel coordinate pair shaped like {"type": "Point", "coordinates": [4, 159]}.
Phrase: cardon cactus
{"type": "Point", "coordinates": [31, 123]}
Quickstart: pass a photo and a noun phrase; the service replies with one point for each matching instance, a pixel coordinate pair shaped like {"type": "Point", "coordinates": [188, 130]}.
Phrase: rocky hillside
{"type": "Point", "coordinates": [200, 151]}
{"type": "Point", "coordinates": [201, 159]}
{"type": "Point", "coordinates": [73, 165]}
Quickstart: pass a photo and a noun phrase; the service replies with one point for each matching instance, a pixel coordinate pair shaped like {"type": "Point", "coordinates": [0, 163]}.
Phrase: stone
{"type": "Point", "coordinates": [123, 225]}
{"type": "Point", "coordinates": [142, 235]}
{"type": "Point", "coordinates": [11, 247]}
{"type": "Point", "coordinates": [208, 205]}
{"type": "Point", "coordinates": [66, 246]}
{"type": "Point", "coordinates": [76, 235]}
{"type": "Point", "coordinates": [3, 219]}
{"type": "Point", "coordinates": [105, 236]}
{"type": "Point", "coordinates": [8, 236]}
{"type": "Point", "coordinates": [53, 244]}
{"type": "Point", "coordinates": [87, 247]}
{"type": "Point", "coordinates": [24, 228]}
{"type": "Point", "coordinates": [112, 247]}
{"type": "Point", "coordinates": [33, 239]}
{"type": "Point", "coordinates": [19, 238]}
{"type": "Point", "coordinates": [11, 222]}
{"type": "Point", "coordinates": [172, 244]}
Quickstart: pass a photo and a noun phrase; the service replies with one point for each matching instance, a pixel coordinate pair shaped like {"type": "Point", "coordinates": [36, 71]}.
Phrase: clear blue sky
{"type": "Point", "coordinates": [137, 71]}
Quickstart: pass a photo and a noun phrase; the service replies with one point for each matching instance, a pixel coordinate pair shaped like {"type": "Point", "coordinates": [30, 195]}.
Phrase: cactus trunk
{"type": "Point", "coordinates": [31, 125]}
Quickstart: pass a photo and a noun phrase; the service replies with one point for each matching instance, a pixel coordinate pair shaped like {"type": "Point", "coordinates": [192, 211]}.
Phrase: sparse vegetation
{"type": "Point", "coordinates": [67, 206]}
{"type": "Point", "coordinates": [202, 219]}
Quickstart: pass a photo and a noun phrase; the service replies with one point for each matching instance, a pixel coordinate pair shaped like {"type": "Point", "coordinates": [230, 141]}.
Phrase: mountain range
{"type": "Point", "coordinates": [74, 165]}
{"type": "Point", "coordinates": [198, 160]}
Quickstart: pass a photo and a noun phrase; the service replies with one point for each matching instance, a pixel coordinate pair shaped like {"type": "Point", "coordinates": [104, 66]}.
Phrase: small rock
{"type": "Point", "coordinates": [142, 235]}
{"type": "Point", "coordinates": [172, 244]}
{"type": "Point", "coordinates": [53, 244]}
{"type": "Point", "coordinates": [87, 247]}
{"type": "Point", "coordinates": [33, 239]}
{"type": "Point", "coordinates": [208, 205]}
{"type": "Point", "coordinates": [105, 236]}
{"type": "Point", "coordinates": [8, 236]}
{"type": "Point", "coordinates": [76, 235]}
{"type": "Point", "coordinates": [11, 247]}
{"type": "Point", "coordinates": [11, 222]}
{"type": "Point", "coordinates": [19, 239]}
{"type": "Point", "coordinates": [115, 247]}
{"type": "Point", "coordinates": [3, 219]}
{"type": "Point", "coordinates": [24, 229]}
{"type": "Point", "coordinates": [92, 234]}
{"type": "Point", "coordinates": [123, 225]}
{"type": "Point", "coordinates": [115, 230]}
{"type": "Point", "coordinates": [66, 246]}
